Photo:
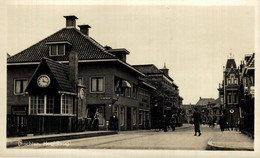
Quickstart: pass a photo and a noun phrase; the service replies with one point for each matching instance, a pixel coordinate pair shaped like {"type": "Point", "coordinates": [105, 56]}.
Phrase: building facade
{"type": "Point", "coordinates": [229, 92]}
{"type": "Point", "coordinates": [85, 87]}
{"type": "Point", "coordinates": [165, 99]}
{"type": "Point", "coordinates": [247, 94]}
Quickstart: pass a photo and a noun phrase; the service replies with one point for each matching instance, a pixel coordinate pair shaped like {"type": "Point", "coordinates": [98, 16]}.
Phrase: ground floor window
{"type": "Point", "coordinates": [100, 115]}
{"type": "Point", "coordinates": [122, 116]}
{"type": "Point", "coordinates": [140, 117]}
{"type": "Point", "coordinates": [67, 104]}
{"type": "Point", "coordinates": [134, 117]}
{"type": "Point", "coordinates": [115, 110]}
{"type": "Point", "coordinates": [41, 104]}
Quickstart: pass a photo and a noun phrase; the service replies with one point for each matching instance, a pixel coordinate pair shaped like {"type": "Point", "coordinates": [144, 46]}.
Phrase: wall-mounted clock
{"type": "Point", "coordinates": [43, 81]}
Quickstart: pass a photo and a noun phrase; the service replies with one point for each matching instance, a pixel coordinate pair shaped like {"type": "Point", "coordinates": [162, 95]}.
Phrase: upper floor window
{"type": "Point", "coordinates": [57, 48]}
{"type": "Point", "coordinates": [20, 85]}
{"type": "Point", "coordinates": [97, 84]}
{"type": "Point", "coordinates": [232, 79]}
{"type": "Point", "coordinates": [80, 80]}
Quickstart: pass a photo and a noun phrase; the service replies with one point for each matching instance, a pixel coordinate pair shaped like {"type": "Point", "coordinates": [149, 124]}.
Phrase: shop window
{"type": "Point", "coordinates": [97, 84]}
{"type": "Point", "coordinates": [122, 116]}
{"type": "Point", "coordinates": [33, 104]}
{"type": "Point", "coordinates": [100, 114]}
{"type": "Point", "coordinates": [67, 104]}
{"type": "Point", "coordinates": [20, 85]}
{"type": "Point", "coordinates": [50, 105]}
{"type": "Point", "coordinates": [134, 117]}
{"type": "Point", "coordinates": [140, 117]}
{"type": "Point", "coordinates": [116, 110]}
{"type": "Point", "coordinates": [38, 104]}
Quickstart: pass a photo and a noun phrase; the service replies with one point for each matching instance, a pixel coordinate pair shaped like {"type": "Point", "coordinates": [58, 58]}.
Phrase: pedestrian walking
{"type": "Point", "coordinates": [209, 123]}
{"type": "Point", "coordinates": [196, 120]}
{"type": "Point", "coordinates": [173, 122]}
{"type": "Point", "coordinates": [222, 121]}
{"type": "Point", "coordinates": [165, 123]}
{"type": "Point", "coordinates": [113, 122]}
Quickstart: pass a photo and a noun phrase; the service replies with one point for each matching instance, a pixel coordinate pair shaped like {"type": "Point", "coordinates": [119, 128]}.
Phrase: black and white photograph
{"type": "Point", "coordinates": [130, 79]}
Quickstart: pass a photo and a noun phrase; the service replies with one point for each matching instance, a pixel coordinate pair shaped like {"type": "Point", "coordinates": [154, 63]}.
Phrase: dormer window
{"type": "Point", "coordinates": [58, 48]}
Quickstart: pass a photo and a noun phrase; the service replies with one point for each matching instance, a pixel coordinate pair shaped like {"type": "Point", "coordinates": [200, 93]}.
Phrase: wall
{"type": "Point", "coordinates": [15, 72]}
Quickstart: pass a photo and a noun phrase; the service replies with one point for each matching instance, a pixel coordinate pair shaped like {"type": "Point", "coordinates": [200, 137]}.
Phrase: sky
{"type": "Point", "coordinates": [193, 41]}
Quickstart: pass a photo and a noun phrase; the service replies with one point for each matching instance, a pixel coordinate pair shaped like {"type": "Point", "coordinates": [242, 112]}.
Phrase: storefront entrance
{"type": "Point", "coordinates": [129, 118]}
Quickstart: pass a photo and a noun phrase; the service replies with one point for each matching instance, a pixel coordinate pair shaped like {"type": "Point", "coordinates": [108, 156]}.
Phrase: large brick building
{"type": "Point", "coordinates": [229, 93]}
{"type": "Point", "coordinates": [165, 99]}
{"type": "Point", "coordinates": [84, 80]}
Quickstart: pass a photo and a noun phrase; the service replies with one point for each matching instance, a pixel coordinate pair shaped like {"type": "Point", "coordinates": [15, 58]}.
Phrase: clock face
{"type": "Point", "coordinates": [43, 81]}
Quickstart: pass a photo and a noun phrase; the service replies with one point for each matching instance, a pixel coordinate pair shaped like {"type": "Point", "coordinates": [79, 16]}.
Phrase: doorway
{"type": "Point", "coordinates": [129, 119]}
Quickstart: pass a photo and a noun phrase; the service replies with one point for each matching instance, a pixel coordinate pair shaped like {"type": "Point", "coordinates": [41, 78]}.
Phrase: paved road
{"type": "Point", "coordinates": [181, 139]}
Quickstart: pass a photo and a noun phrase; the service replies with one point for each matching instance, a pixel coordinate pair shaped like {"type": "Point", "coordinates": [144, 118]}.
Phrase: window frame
{"type": "Point", "coordinates": [20, 79]}
{"type": "Point", "coordinates": [122, 116]}
{"type": "Point", "coordinates": [36, 106]}
{"type": "Point", "coordinates": [90, 84]}
{"type": "Point", "coordinates": [57, 49]}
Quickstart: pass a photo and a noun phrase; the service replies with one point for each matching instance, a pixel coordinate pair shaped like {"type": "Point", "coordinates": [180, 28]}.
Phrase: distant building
{"type": "Point", "coordinates": [202, 105]}
{"type": "Point", "coordinates": [229, 92]}
{"type": "Point", "coordinates": [165, 99]}
{"type": "Point", "coordinates": [187, 112]}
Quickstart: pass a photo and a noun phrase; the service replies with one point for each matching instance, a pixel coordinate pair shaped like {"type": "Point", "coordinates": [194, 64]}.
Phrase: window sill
{"type": "Point", "coordinates": [52, 114]}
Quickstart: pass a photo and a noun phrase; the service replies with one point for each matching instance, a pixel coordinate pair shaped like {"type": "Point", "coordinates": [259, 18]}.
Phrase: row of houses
{"type": "Point", "coordinates": [236, 98]}
{"type": "Point", "coordinates": [68, 80]}
{"type": "Point", "coordinates": [209, 108]}
{"type": "Point", "coordinates": [237, 93]}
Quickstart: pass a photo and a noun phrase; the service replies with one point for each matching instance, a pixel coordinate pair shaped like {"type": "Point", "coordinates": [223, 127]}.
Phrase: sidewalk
{"type": "Point", "coordinates": [231, 140]}
{"type": "Point", "coordinates": [16, 141]}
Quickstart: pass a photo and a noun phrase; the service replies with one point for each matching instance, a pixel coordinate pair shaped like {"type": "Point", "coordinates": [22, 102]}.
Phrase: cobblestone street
{"type": "Point", "coordinates": [181, 139]}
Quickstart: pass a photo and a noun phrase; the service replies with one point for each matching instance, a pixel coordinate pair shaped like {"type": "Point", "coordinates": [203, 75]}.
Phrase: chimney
{"type": "Point", "coordinates": [73, 68]}
{"type": "Point", "coordinates": [165, 70]}
{"type": "Point", "coordinates": [84, 29]}
{"type": "Point", "coordinates": [70, 21]}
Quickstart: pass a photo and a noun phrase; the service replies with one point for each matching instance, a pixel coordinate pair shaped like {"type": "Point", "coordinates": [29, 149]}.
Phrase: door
{"type": "Point", "coordinates": [129, 119]}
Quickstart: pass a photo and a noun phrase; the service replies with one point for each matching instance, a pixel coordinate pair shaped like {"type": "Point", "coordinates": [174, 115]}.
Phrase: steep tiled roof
{"type": "Point", "coordinates": [60, 72]}
{"type": "Point", "coordinates": [205, 101]}
{"type": "Point", "coordinates": [86, 47]}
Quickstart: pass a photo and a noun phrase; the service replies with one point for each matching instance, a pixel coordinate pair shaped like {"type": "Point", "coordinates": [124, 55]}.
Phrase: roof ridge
{"type": "Point", "coordinates": [23, 51]}
{"type": "Point", "coordinates": [94, 42]}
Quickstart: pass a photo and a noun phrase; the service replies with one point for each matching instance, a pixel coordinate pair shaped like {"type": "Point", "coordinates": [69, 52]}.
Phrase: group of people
{"type": "Point", "coordinates": [167, 122]}
{"type": "Point", "coordinates": [197, 118]}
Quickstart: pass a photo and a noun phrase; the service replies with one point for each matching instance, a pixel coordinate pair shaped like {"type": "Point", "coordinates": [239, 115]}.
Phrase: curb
{"type": "Point", "coordinates": [212, 146]}
{"type": "Point", "coordinates": [56, 138]}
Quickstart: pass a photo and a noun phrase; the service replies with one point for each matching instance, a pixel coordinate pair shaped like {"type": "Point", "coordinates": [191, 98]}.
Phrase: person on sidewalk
{"type": "Point", "coordinates": [173, 122]}
{"type": "Point", "coordinates": [196, 119]}
{"type": "Point", "coordinates": [113, 122]}
{"type": "Point", "coordinates": [222, 121]}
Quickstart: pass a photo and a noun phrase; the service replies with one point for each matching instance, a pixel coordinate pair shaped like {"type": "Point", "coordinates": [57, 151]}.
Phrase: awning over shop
{"type": "Point", "coordinates": [126, 84]}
